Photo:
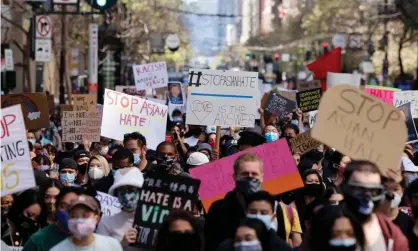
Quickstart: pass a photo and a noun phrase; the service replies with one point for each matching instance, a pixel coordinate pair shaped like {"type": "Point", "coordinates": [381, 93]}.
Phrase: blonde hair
{"type": "Point", "coordinates": [103, 163]}
{"type": "Point", "coordinates": [247, 157]}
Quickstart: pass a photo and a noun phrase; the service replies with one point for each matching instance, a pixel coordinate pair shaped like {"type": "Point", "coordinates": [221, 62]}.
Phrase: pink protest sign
{"type": "Point", "coordinates": [381, 92]}
{"type": "Point", "coordinates": [280, 172]}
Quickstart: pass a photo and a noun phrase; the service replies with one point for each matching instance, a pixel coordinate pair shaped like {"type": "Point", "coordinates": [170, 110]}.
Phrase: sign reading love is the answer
{"type": "Point", "coordinates": [222, 98]}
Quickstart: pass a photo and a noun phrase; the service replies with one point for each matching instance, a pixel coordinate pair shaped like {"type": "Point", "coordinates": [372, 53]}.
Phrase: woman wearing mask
{"type": "Point", "coordinates": [335, 229]}
{"type": "Point", "coordinates": [97, 168]}
{"type": "Point", "coordinates": [126, 188]}
{"type": "Point", "coordinates": [252, 235]}
{"type": "Point", "coordinates": [49, 193]}
{"type": "Point", "coordinates": [180, 231]}
{"type": "Point", "coordinates": [100, 148]}
{"type": "Point", "coordinates": [336, 165]}
{"type": "Point", "coordinates": [23, 218]}
{"type": "Point", "coordinates": [271, 133]}
{"type": "Point", "coordinates": [42, 162]}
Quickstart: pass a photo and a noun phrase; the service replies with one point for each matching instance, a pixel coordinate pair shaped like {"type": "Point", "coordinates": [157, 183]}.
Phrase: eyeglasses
{"type": "Point", "coordinates": [360, 188]}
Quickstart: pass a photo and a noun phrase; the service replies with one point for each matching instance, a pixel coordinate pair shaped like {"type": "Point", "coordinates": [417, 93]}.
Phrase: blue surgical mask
{"type": "Point", "coordinates": [137, 159]}
{"type": "Point", "coordinates": [32, 141]}
{"type": "Point", "coordinates": [265, 218]}
{"type": "Point", "coordinates": [67, 177]}
{"type": "Point", "coordinates": [271, 136]}
{"type": "Point", "coordinates": [177, 119]}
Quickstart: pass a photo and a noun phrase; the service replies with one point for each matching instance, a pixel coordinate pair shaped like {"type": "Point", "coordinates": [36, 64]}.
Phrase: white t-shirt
{"type": "Point", "coordinates": [100, 243]}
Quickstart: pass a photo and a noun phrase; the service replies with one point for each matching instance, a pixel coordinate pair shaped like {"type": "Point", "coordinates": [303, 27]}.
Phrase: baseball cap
{"type": "Point", "coordinates": [87, 201]}
{"type": "Point", "coordinates": [68, 163]}
{"type": "Point", "coordinates": [81, 154]}
{"type": "Point", "coordinates": [197, 159]}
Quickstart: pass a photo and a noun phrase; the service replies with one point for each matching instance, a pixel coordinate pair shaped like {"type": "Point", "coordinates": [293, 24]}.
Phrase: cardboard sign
{"type": "Point", "coordinates": [34, 107]}
{"type": "Point", "coordinates": [130, 90]}
{"type": "Point", "coordinates": [307, 85]}
{"type": "Point", "coordinates": [382, 93]}
{"type": "Point", "coordinates": [222, 98]}
{"type": "Point", "coordinates": [280, 105]}
{"type": "Point", "coordinates": [126, 114]}
{"type": "Point", "coordinates": [84, 102]}
{"type": "Point", "coordinates": [410, 123]}
{"type": "Point", "coordinates": [400, 98]}
{"type": "Point", "coordinates": [334, 79]}
{"type": "Point", "coordinates": [16, 167]}
{"type": "Point", "coordinates": [280, 172]}
{"type": "Point", "coordinates": [158, 197]}
{"type": "Point", "coordinates": [150, 76]}
{"type": "Point", "coordinates": [361, 126]}
{"type": "Point", "coordinates": [304, 143]}
{"type": "Point", "coordinates": [110, 204]}
{"type": "Point", "coordinates": [77, 126]}
{"type": "Point", "coordinates": [309, 100]}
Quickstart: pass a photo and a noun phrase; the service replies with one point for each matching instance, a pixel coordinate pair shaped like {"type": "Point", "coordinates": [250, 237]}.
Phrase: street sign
{"type": "Point", "coordinates": [355, 41]}
{"type": "Point", "coordinates": [8, 55]}
{"type": "Point", "coordinates": [43, 50]}
{"type": "Point", "coordinates": [43, 27]}
{"type": "Point", "coordinates": [65, 1]}
{"type": "Point", "coordinates": [338, 40]}
{"type": "Point", "coordinates": [93, 61]}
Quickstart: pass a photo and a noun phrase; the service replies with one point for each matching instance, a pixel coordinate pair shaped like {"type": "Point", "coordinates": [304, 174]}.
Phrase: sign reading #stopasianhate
{"type": "Point", "coordinates": [124, 113]}
{"type": "Point", "coordinates": [150, 76]}
{"type": "Point", "coordinates": [158, 197]}
{"type": "Point", "coordinates": [16, 167]}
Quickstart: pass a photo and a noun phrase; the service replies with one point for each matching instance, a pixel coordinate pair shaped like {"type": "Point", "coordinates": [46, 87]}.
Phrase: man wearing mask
{"type": "Point", "coordinates": [82, 158]}
{"type": "Point", "coordinates": [84, 216]}
{"type": "Point", "coordinates": [225, 215]}
{"type": "Point", "coordinates": [68, 172]}
{"type": "Point", "coordinates": [137, 144]}
{"type": "Point", "coordinates": [128, 182]}
{"type": "Point", "coordinates": [363, 191]}
{"type": "Point", "coordinates": [167, 160]}
{"type": "Point", "coordinates": [56, 232]}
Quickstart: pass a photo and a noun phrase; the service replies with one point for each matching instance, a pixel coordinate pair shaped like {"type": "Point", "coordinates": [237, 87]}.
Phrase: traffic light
{"type": "Point", "coordinates": [276, 55]}
{"type": "Point", "coordinates": [325, 47]}
{"type": "Point", "coordinates": [102, 4]}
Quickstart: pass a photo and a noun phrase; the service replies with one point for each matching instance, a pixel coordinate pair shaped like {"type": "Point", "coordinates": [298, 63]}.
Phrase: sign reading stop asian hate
{"type": "Point", "coordinates": [124, 113]}
{"type": "Point", "coordinates": [78, 125]}
{"type": "Point", "coordinates": [16, 167]}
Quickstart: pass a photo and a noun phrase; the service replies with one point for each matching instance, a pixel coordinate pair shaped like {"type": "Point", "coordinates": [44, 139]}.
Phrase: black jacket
{"type": "Point", "coordinates": [222, 220]}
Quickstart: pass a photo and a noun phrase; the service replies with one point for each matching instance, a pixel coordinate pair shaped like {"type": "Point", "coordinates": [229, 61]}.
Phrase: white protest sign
{"type": "Point", "coordinates": [124, 113]}
{"type": "Point", "coordinates": [152, 75]}
{"type": "Point", "coordinates": [16, 167]}
{"type": "Point", "coordinates": [110, 204]}
{"type": "Point", "coordinates": [400, 98]}
{"type": "Point", "coordinates": [222, 98]}
{"type": "Point", "coordinates": [312, 118]}
{"type": "Point", "coordinates": [334, 79]}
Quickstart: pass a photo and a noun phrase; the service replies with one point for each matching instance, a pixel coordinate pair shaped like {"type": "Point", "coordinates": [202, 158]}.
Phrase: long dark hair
{"type": "Point", "coordinates": [261, 231]}
{"type": "Point", "coordinates": [323, 222]}
{"type": "Point", "coordinates": [42, 191]}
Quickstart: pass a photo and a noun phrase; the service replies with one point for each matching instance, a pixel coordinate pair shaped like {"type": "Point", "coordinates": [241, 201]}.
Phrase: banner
{"type": "Point", "coordinates": [34, 107]}
{"type": "Point", "coordinates": [361, 126]}
{"type": "Point", "coordinates": [84, 102]}
{"type": "Point", "coordinates": [110, 204]}
{"type": "Point", "coordinates": [309, 100]}
{"type": "Point", "coordinates": [403, 97]}
{"type": "Point", "coordinates": [307, 85]}
{"type": "Point", "coordinates": [222, 98]}
{"type": "Point", "coordinates": [280, 172]}
{"type": "Point", "coordinates": [304, 143]}
{"type": "Point", "coordinates": [126, 114]}
{"type": "Point", "coordinates": [16, 167]}
{"type": "Point", "coordinates": [381, 92]}
{"type": "Point", "coordinates": [410, 123]}
{"type": "Point", "coordinates": [158, 197]}
{"type": "Point", "coordinates": [77, 126]}
{"type": "Point", "coordinates": [150, 76]}
{"type": "Point", "coordinates": [280, 103]}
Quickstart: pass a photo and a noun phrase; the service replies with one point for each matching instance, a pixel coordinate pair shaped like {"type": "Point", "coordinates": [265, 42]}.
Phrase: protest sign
{"type": "Point", "coordinates": [361, 126]}
{"type": "Point", "coordinates": [158, 197]}
{"type": "Point", "coordinates": [110, 204]}
{"type": "Point", "coordinates": [79, 125]}
{"type": "Point", "coordinates": [403, 97]}
{"type": "Point", "coordinates": [312, 118]}
{"type": "Point", "coordinates": [16, 167]}
{"type": "Point", "coordinates": [334, 79]}
{"type": "Point", "coordinates": [222, 98]}
{"type": "Point", "coordinates": [280, 172]}
{"type": "Point", "coordinates": [150, 76]}
{"type": "Point", "coordinates": [280, 103]}
{"type": "Point", "coordinates": [84, 102]}
{"type": "Point", "coordinates": [126, 114]}
{"type": "Point", "coordinates": [304, 143]}
{"type": "Point", "coordinates": [410, 123]}
{"type": "Point", "coordinates": [307, 85]}
{"type": "Point", "coordinates": [382, 93]}
{"type": "Point", "coordinates": [130, 90]}
{"type": "Point", "coordinates": [309, 100]}
{"type": "Point", "coordinates": [34, 107]}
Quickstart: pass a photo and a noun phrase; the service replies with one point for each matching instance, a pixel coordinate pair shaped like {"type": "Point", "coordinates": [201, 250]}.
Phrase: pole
{"type": "Point", "coordinates": [386, 40]}
{"type": "Point", "coordinates": [62, 58]}
{"type": "Point", "coordinates": [218, 138]}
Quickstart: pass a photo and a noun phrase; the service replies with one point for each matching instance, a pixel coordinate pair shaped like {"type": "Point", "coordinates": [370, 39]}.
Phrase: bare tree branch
{"type": "Point", "coordinates": [14, 24]}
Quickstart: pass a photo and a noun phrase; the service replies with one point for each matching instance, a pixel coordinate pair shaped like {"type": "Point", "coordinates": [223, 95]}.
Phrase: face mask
{"type": "Point", "coordinates": [82, 168]}
{"type": "Point", "coordinates": [44, 168]}
{"type": "Point", "coordinates": [67, 177]}
{"type": "Point", "coordinates": [396, 200]}
{"type": "Point", "coordinates": [137, 159]}
{"type": "Point", "coordinates": [177, 119]}
{"type": "Point", "coordinates": [362, 208]}
{"type": "Point", "coordinates": [248, 246]}
{"type": "Point", "coordinates": [313, 189]}
{"type": "Point", "coordinates": [32, 141]}
{"type": "Point", "coordinates": [248, 185]}
{"type": "Point", "coordinates": [271, 136]}
{"type": "Point", "coordinates": [96, 173]}
{"type": "Point", "coordinates": [62, 216]}
{"type": "Point", "coordinates": [27, 225]}
{"type": "Point", "coordinates": [165, 162]}
{"type": "Point", "coordinates": [81, 228]}
{"type": "Point", "coordinates": [128, 199]}
{"type": "Point", "coordinates": [104, 150]}
{"type": "Point", "coordinates": [343, 245]}
{"type": "Point", "coordinates": [266, 219]}
{"type": "Point", "coordinates": [186, 241]}
{"type": "Point", "coordinates": [294, 122]}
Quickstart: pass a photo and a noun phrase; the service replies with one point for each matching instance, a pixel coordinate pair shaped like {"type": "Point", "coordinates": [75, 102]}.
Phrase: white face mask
{"type": "Point", "coordinates": [248, 246]}
{"type": "Point", "coordinates": [342, 242]}
{"type": "Point", "coordinates": [266, 219]}
{"type": "Point", "coordinates": [104, 150]}
{"type": "Point", "coordinates": [96, 173]}
{"type": "Point", "coordinates": [396, 200]}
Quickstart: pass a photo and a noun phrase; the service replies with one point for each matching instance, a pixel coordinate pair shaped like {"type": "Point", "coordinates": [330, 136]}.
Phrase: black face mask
{"type": "Point", "coordinates": [315, 155]}
{"type": "Point", "coordinates": [165, 162]}
{"type": "Point", "coordinates": [360, 207]}
{"type": "Point", "coordinates": [181, 241]}
{"type": "Point", "coordinates": [26, 226]}
{"type": "Point", "coordinates": [248, 185]}
{"type": "Point", "coordinates": [313, 190]}
{"type": "Point", "coordinates": [82, 168]}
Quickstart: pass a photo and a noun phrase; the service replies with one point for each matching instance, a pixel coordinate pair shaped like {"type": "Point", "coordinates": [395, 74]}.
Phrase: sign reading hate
{"type": "Point", "coordinates": [150, 76]}
{"type": "Point", "coordinates": [309, 100]}
{"type": "Point", "coordinates": [158, 197]}
{"type": "Point", "coordinates": [304, 143]}
{"type": "Point", "coordinates": [222, 98]}
{"type": "Point", "coordinates": [361, 126]}
{"type": "Point", "coordinates": [78, 125]}
{"type": "Point", "coordinates": [381, 92]}
{"type": "Point", "coordinates": [124, 113]}
{"type": "Point", "coordinates": [16, 167]}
